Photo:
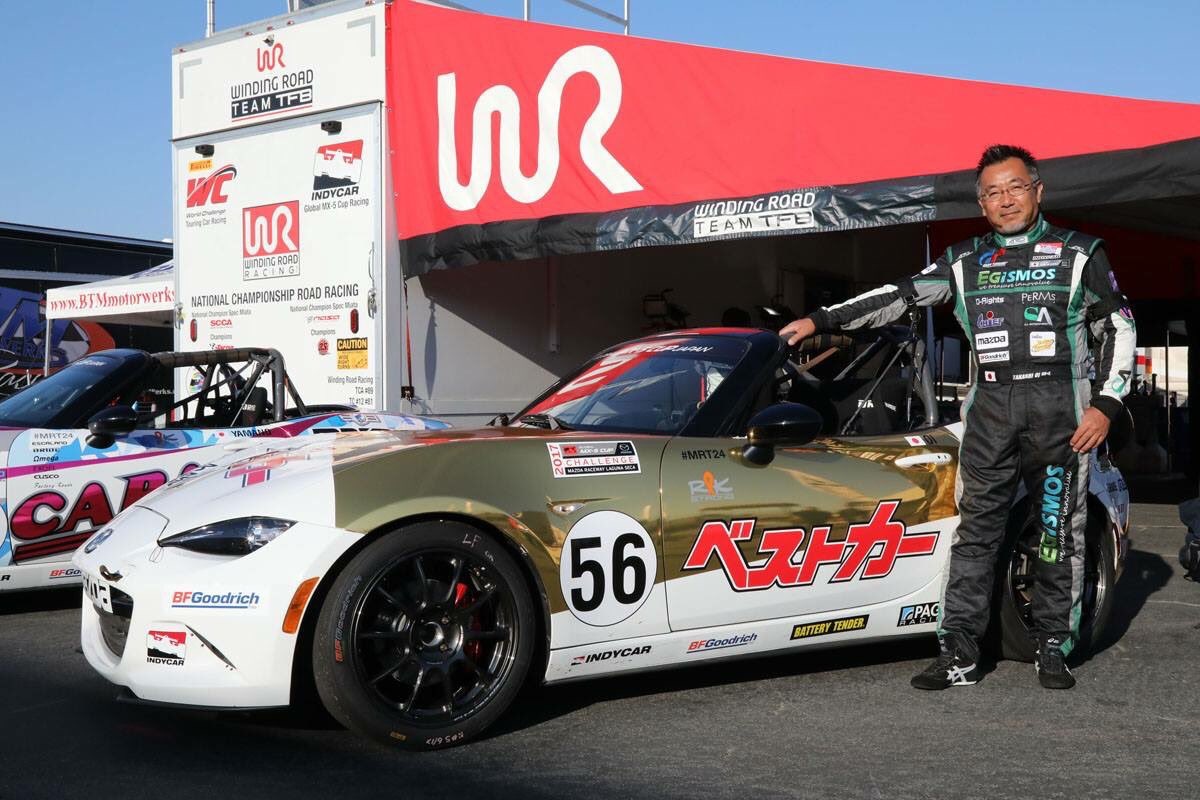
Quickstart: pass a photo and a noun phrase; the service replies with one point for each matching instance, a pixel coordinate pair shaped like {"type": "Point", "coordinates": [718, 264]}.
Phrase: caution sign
{"type": "Point", "coordinates": [352, 353]}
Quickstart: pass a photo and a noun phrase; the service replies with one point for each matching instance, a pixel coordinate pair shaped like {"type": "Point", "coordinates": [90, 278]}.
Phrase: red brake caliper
{"type": "Point", "coordinates": [472, 649]}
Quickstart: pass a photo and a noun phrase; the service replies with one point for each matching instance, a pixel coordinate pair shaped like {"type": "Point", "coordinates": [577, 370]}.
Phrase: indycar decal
{"type": "Point", "coordinates": [166, 647]}
{"type": "Point", "coordinates": [869, 551]}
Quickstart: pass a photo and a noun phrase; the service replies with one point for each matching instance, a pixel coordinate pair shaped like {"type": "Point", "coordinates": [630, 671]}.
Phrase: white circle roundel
{"type": "Point", "coordinates": [607, 568]}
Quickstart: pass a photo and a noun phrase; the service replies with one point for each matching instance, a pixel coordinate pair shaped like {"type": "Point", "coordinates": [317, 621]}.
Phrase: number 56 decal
{"type": "Point", "coordinates": [607, 569]}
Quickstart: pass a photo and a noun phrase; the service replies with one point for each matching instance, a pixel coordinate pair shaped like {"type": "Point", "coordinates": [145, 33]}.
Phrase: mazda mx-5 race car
{"type": "Point", "coordinates": [668, 503]}
{"type": "Point", "coordinates": [92, 439]}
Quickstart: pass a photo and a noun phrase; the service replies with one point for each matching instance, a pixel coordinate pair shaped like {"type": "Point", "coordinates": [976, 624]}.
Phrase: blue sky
{"type": "Point", "coordinates": [85, 126]}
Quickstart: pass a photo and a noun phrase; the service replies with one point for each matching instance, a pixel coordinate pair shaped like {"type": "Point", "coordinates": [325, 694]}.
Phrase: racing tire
{"type": "Point", "coordinates": [425, 637]}
{"type": "Point", "coordinates": [1011, 634]}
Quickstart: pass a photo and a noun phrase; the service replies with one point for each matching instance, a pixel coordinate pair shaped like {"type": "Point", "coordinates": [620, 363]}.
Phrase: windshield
{"type": "Point", "coordinates": [65, 398]}
{"type": "Point", "coordinates": [650, 386]}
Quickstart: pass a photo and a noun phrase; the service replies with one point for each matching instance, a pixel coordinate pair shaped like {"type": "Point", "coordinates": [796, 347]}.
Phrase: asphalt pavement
{"type": "Point", "coordinates": [831, 724]}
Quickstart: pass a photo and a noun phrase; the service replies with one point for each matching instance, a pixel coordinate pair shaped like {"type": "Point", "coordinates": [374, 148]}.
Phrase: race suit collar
{"type": "Point", "coordinates": [1036, 232]}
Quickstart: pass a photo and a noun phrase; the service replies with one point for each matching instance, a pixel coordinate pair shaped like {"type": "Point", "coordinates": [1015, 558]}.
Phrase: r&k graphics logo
{"type": "Point", "coordinates": [710, 488]}
{"type": "Point", "coordinates": [337, 169]}
{"type": "Point", "coordinates": [271, 241]}
{"type": "Point", "coordinates": [500, 100]}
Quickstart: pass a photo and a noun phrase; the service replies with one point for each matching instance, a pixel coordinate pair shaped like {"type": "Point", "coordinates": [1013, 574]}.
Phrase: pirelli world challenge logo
{"type": "Point", "coordinates": [207, 193]}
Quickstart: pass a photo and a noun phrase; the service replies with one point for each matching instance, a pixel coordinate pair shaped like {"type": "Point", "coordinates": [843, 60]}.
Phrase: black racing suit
{"type": "Point", "coordinates": [1026, 304]}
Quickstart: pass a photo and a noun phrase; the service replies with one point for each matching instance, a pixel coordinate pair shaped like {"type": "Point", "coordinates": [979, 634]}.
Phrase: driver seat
{"type": "Point", "coordinates": [254, 409]}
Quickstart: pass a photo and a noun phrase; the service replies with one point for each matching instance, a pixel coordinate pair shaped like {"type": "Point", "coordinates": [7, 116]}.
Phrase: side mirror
{"type": "Point", "coordinates": [780, 425]}
{"type": "Point", "coordinates": [109, 423]}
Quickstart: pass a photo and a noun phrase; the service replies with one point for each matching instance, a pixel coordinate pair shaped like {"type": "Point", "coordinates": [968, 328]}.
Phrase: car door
{"type": "Point", "coordinates": [837, 524]}
{"type": "Point", "coordinates": [60, 489]}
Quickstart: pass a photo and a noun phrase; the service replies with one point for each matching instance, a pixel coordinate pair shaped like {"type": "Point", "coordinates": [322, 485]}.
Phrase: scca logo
{"type": "Point", "coordinates": [502, 101]}
{"type": "Point", "coordinates": [210, 188]}
{"type": "Point", "coordinates": [271, 229]}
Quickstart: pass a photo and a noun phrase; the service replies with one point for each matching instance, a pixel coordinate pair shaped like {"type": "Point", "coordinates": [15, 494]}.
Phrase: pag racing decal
{"type": "Point", "coordinates": [809, 630]}
{"type": "Point", "coordinates": [869, 551]}
{"type": "Point", "coordinates": [919, 614]}
{"type": "Point", "coordinates": [607, 568]}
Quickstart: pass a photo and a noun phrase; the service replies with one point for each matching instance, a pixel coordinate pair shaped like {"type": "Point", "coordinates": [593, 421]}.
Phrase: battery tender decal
{"type": "Point", "coordinates": [580, 459]}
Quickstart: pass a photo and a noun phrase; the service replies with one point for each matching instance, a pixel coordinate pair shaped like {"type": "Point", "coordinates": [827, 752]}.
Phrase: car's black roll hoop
{"type": "Point", "coordinates": [219, 370]}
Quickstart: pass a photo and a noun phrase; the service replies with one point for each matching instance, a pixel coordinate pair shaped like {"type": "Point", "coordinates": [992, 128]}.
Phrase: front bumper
{"type": "Point", "coordinates": [183, 628]}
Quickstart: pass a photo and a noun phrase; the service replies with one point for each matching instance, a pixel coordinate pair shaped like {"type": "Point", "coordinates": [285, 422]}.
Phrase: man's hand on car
{"type": "Point", "coordinates": [798, 330]}
{"type": "Point", "coordinates": [1092, 430]}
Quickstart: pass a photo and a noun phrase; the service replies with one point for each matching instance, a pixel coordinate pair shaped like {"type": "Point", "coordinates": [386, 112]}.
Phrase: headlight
{"type": "Point", "coordinates": [231, 537]}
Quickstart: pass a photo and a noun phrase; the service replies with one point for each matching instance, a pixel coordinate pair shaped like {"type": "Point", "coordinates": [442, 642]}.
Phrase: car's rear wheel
{"type": "Point", "coordinates": [1012, 631]}
{"type": "Point", "coordinates": [425, 637]}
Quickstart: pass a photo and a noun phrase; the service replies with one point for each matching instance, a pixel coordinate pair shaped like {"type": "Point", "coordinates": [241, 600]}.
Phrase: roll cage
{"type": "Point", "coordinates": [874, 382]}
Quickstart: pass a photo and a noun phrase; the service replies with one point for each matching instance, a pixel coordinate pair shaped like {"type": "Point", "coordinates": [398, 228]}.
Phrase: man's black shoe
{"type": "Point", "coordinates": [951, 668]}
{"type": "Point", "coordinates": [1051, 665]}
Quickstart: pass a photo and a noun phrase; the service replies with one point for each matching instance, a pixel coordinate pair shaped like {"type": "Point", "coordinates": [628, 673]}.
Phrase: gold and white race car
{"type": "Point", "coordinates": [682, 498]}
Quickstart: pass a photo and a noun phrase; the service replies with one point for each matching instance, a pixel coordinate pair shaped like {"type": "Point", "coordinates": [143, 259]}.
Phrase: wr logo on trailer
{"type": "Point", "coordinates": [271, 229]}
{"type": "Point", "coordinates": [502, 100]}
{"type": "Point", "coordinates": [270, 56]}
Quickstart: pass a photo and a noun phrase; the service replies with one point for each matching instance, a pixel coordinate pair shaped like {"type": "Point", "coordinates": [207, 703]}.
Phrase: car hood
{"type": "Point", "coordinates": [292, 479]}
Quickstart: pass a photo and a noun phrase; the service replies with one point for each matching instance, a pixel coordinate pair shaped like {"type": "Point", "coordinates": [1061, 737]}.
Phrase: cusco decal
{"type": "Point", "coordinates": [856, 557]}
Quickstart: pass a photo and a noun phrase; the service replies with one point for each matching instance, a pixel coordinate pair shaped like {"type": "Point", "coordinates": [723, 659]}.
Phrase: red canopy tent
{"type": "Point", "coordinates": [515, 140]}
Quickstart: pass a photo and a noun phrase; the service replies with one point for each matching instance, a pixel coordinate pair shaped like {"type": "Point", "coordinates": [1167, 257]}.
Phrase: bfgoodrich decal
{"type": "Point", "coordinates": [721, 642]}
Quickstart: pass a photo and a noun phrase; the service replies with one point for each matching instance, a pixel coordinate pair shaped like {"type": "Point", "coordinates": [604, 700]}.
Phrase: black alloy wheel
{"type": "Point", "coordinates": [425, 637]}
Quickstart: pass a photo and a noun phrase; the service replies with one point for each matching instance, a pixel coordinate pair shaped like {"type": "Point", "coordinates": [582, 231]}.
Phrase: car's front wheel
{"type": "Point", "coordinates": [1012, 607]}
{"type": "Point", "coordinates": [425, 637]}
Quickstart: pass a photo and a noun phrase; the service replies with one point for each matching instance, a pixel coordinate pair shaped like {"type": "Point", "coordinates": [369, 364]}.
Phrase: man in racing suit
{"type": "Point", "coordinates": [1026, 296]}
